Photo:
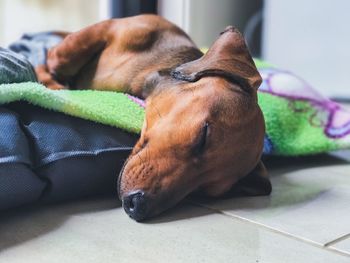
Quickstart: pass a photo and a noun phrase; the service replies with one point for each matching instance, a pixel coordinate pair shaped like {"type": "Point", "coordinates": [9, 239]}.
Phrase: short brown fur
{"type": "Point", "coordinates": [203, 130]}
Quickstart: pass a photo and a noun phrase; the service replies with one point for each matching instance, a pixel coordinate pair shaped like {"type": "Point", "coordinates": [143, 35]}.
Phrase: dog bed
{"type": "Point", "coordinates": [58, 145]}
{"type": "Point", "coordinates": [49, 156]}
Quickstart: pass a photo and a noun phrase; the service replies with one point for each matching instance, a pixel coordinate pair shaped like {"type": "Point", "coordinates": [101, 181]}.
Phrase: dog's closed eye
{"type": "Point", "coordinates": [201, 140]}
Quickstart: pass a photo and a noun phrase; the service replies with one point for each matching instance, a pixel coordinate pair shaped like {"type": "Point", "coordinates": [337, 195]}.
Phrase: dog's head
{"type": "Point", "coordinates": [203, 131]}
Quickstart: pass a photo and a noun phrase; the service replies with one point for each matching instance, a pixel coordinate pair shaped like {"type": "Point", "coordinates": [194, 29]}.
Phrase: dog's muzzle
{"type": "Point", "coordinates": [134, 203]}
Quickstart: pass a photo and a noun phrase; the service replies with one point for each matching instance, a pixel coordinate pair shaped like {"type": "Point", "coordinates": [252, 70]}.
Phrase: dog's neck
{"type": "Point", "coordinates": [169, 59]}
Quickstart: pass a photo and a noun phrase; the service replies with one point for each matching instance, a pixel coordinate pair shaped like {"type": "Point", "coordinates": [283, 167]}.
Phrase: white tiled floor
{"type": "Point", "coordinates": [301, 222]}
{"type": "Point", "coordinates": [343, 245]}
{"type": "Point", "coordinates": [311, 203]}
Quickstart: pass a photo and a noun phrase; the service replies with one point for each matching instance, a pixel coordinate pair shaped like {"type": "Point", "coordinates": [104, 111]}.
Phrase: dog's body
{"type": "Point", "coordinates": [203, 129]}
{"type": "Point", "coordinates": [119, 55]}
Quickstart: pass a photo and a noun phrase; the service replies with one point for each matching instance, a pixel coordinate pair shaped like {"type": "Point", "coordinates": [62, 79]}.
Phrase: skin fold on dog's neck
{"type": "Point", "coordinates": [169, 60]}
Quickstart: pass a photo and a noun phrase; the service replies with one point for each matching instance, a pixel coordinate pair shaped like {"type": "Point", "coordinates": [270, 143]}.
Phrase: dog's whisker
{"type": "Point", "coordinates": [148, 155]}
{"type": "Point", "coordinates": [160, 116]}
{"type": "Point", "coordinates": [138, 155]}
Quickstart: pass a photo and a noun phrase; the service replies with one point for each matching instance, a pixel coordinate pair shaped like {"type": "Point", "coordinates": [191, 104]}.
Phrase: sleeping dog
{"type": "Point", "coordinates": [203, 130]}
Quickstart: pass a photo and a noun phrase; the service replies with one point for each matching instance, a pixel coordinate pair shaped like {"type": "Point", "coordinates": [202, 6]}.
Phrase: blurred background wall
{"type": "Point", "coordinates": [203, 20]}
{"type": "Point", "coordinates": [310, 38]}
{"type": "Point", "coordinates": [19, 16]}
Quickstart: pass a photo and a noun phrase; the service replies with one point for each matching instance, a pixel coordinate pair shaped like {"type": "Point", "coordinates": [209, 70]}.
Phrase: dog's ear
{"type": "Point", "coordinates": [227, 57]}
{"type": "Point", "coordinates": [256, 183]}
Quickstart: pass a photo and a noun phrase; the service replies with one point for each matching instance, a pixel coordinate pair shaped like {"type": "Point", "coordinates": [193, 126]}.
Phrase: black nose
{"type": "Point", "coordinates": [135, 205]}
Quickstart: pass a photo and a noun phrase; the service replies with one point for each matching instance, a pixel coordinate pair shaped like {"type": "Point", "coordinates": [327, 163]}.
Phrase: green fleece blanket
{"type": "Point", "coordinates": [299, 121]}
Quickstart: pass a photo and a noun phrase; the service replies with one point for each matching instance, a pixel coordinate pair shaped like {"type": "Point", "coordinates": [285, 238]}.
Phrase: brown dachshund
{"type": "Point", "coordinates": [203, 131]}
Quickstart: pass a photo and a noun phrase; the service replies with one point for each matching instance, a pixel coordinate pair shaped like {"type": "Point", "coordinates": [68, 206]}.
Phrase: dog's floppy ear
{"type": "Point", "coordinates": [256, 183]}
{"type": "Point", "coordinates": [227, 57]}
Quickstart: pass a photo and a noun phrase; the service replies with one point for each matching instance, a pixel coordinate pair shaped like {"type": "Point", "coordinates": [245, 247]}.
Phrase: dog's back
{"type": "Point", "coordinates": [135, 48]}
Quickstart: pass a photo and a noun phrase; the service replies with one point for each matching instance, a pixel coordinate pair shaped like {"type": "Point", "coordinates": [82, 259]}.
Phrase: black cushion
{"type": "Point", "coordinates": [49, 156]}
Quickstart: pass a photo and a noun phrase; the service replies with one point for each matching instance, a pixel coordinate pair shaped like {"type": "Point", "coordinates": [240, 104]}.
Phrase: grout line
{"type": "Point", "coordinates": [338, 251]}
{"type": "Point", "coordinates": [274, 230]}
{"type": "Point", "coordinates": [337, 240]}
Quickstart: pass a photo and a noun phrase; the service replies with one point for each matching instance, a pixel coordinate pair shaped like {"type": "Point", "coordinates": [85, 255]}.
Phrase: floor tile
{"type": "Point", "coordinates": [343, 246]}
{"type": "Point", "coordinates": [100, 231]}
{"type": "Point", "coordinates": [310, 199]}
